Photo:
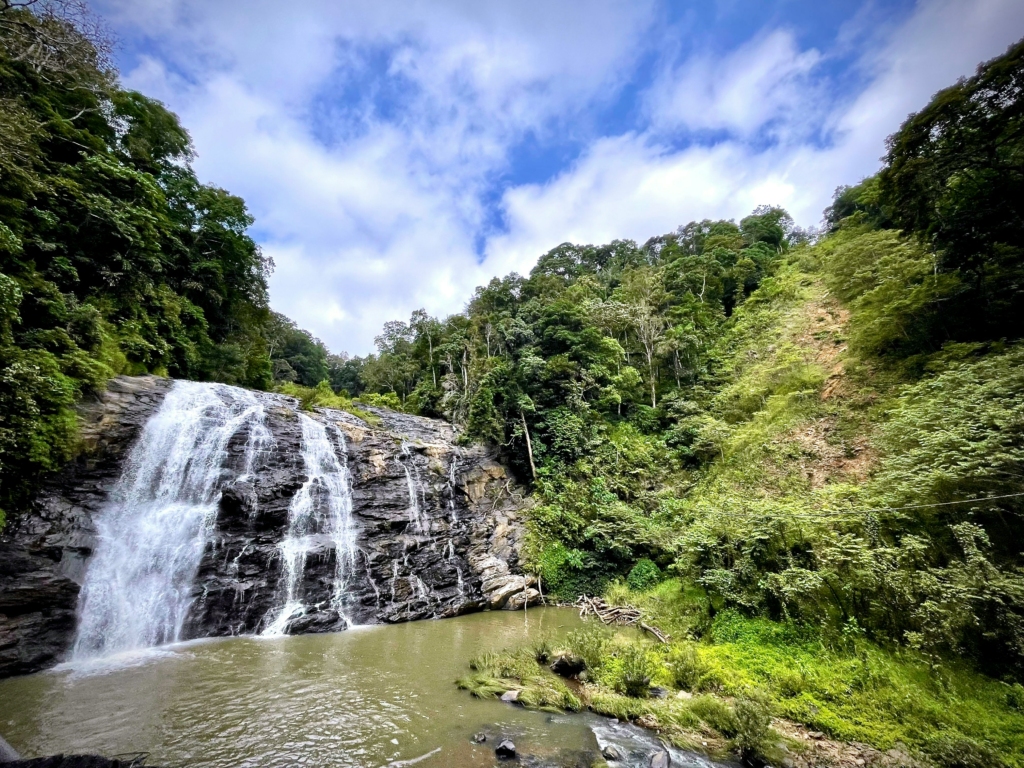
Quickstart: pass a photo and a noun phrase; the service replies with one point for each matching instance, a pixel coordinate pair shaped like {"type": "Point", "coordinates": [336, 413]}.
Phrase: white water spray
{"type": "Point", "coordinates": [319, 514]}
{"type": "Point", "coordinates": [151, 536]}
{"type": "Point", "coordinates": [415, 511]}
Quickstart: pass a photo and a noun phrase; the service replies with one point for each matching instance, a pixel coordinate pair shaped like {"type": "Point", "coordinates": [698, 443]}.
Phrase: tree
{"type": "Point", "coordinates": [954, 176]}
{"type": "Point", "coordinates": [643, 294]}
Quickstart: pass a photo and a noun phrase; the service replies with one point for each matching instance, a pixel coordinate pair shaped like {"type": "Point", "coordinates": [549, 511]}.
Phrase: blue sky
{"type": "Point", "coordinates": [397, 154]}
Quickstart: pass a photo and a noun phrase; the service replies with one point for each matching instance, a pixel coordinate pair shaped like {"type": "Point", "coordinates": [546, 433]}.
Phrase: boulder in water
{"type": "Point", "coordinates": [506, 750]}
{"type": "Point", "coordinates": [317, 621]}
{"type": "Point", "coordinates": [510, 697]}
{"type": "Point", "coordinates": [613, 753]}
{"type": "Point", "coordinates": [661, 759]}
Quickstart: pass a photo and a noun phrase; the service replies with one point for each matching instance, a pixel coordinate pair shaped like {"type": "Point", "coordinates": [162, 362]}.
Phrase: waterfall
{"type": "Point", "coordinates": [151, 535]}
{"type": "Point", "coordinates": [451, 485]}
{"type": "Point", "coordinates": [319, 518]}
{"type": "Point", "coordinates": [415, 510]}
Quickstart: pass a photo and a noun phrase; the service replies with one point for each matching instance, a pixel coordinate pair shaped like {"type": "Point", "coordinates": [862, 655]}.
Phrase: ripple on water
{"type": "Point", "coordinates": [329, 700]}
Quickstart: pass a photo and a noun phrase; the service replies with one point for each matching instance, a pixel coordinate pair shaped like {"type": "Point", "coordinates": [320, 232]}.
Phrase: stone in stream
{"type": "Point", "coordinates": [613, 753]}
{"type": "Point", "coordinates": [657, 692]}
{"type": "Point", "coordinates": [479, 738]}
{"type": "Point", "coordinates": [660, 760]}
{"type": "Point", "coordinates": [510, 697]}
{"type": "Point", "coordinates": [506, 750]}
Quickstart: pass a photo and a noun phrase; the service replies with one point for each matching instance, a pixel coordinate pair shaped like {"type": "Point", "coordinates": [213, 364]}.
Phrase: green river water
{"type": "Point", "coordinates": [371, 696]}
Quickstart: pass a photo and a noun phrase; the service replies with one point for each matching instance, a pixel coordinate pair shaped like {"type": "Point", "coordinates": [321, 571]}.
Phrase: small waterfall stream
{"type": "Point", "coordinates": [319, 519]}
{"type": "Point", "coordinates": [152, 533]}
{"type": "Point", "coordinates": [412, 480]}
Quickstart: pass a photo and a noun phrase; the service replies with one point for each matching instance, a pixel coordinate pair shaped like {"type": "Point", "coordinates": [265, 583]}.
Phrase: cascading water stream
{"type": "Point", "coordinates": [151, 535]}
{"type": "Point", "coordinates": [452, 468]}
{"type": "Point", "coordinates": [319, 518]}
{"type": "Point", "coordinates": [416, 517]}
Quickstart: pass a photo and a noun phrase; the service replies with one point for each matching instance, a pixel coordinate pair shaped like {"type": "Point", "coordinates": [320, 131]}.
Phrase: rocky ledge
{"type": "Point", "coordinates": [438, 528]}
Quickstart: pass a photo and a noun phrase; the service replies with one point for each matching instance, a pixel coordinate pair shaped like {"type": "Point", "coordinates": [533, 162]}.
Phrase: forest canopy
{"type": "Point", "coordinates": [114, 257]}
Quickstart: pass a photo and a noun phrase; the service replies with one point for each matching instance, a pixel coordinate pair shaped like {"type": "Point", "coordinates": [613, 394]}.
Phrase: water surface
{"type": "Point", "coordinates": [371, 696]}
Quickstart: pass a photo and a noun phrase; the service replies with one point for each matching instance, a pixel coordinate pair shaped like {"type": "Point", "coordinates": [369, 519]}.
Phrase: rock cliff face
{"type": "Point", "coordinates": [436, 529]}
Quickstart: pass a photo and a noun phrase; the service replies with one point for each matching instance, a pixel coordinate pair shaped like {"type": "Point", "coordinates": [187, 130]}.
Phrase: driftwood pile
{"type": "Point", "coordinates": [620, 615]}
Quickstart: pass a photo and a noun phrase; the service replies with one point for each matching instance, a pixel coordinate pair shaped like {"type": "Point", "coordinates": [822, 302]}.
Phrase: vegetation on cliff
{"type": "Point", "coordinates": [114, 257]}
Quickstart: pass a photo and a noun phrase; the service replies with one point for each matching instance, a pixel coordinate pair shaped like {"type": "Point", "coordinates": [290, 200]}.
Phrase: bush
{"type": "Point", "coordinates": [588, 646]}
{"type": "Point", "coordinates": [644, 575]}
{"type": "Point", "coordinates": [387, 400]}
{"type": "Point", "coordinates": [951, 750]}
{"type": "Point", "coordinates": [637, 670]}
{"type": "Point", "coordinates": [753, 726]}
{"type": "Point", "coordinates": [686, 667]}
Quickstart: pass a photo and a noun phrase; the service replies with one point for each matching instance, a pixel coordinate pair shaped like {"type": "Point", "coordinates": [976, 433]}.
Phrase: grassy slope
{"type": "Point", "coordinates": [798, 414]}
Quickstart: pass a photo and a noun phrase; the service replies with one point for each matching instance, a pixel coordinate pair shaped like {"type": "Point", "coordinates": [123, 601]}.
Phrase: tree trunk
{"type": "Point", "coordinates": [529, 445]}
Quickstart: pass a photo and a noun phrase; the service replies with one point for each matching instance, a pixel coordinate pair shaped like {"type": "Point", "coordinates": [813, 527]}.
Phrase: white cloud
{"type": "Point", "coordinates": [372, 208]}
{"type": "Point", "coordinates": [637, 186]}
{"type": "Point", "coordinates": [384, 219]}
{"type": "Point", "coordinates": [768, 80]}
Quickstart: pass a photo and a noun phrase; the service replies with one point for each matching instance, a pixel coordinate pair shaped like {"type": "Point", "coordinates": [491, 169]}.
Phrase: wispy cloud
{"type": "Point", "coordinates": [372, 139]}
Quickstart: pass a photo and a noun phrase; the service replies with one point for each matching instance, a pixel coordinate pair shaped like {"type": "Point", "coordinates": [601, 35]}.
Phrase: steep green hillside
{"type": "Point", "coordinates": [825, 508]}
{"type": "Point", "coordinates": [822, 429]}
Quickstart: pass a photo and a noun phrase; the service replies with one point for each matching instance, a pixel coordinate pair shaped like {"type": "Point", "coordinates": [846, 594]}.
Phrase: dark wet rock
{"type": "Point", "coordinates": [463, 555]}
{"type": "Point", "coordinates": [613, 753]}
{"type": "Point", "coordinates": [479, 738]}
{"type": "Point", "coordinates": [506, 750]}
{"type": "Point", "coordinates": [316, 621]}
{"type": "Point", "coordinates": [657, 692]}
{"type": "Point", "coordinates": [510, 697]}
{"type": "Point", "coordinates": [660, 760]}
{"type": "Point", "coordinates": [78, 761]}
{"type": "Point", "coordinates": [568, 666]}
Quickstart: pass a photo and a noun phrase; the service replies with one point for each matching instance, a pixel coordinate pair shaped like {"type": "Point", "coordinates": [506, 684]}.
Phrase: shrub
{"type": "Point", "coordinates": [637, 670]}
{"type": "Point", "coordinates": [686, 667]}
{"type": "Point", "coordinates": [644, 575]}
{"type": "Point", "coordinates": [951, 750]}
{"type": "Point", "coordinates": [387, 400]}
{"type": "Point", "coordinates": [753, 726]}
{"type": "Point", "coordinates": [588, 645]}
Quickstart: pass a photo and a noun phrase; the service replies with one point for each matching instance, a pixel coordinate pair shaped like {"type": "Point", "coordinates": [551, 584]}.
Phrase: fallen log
{"type": "Point", "coordinates": [620, 615]}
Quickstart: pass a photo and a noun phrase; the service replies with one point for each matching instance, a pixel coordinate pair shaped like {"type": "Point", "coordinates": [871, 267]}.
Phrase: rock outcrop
{"type": "Point", "coordinates": [438, 528]}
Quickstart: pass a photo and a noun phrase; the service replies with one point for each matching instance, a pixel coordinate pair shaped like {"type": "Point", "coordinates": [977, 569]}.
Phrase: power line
{"type": "Point", "coordinates": [841, 513]}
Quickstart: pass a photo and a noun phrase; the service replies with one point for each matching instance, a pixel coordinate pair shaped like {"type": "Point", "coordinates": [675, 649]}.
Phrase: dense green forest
{"type": "Point", "coordinates": [114, 257]}
{"type": "Point", "coordinates": [802, 456]}
{"type": "Point", "coordinates": [829, 431]}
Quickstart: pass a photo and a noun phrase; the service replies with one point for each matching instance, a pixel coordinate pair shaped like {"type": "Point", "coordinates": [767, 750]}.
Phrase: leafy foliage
{"type": "Point", "coordinates": [114, 257]}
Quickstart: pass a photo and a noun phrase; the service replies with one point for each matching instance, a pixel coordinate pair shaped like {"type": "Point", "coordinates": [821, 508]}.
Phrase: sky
{"type": "Point", "coordinates": [396, 154]}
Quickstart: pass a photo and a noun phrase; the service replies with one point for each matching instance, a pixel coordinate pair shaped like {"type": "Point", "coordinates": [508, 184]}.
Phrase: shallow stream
{"type": "Point", "coordinates": [371, 696]}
